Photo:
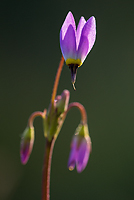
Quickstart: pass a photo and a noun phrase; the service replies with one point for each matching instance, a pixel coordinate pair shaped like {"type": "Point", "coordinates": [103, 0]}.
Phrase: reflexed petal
{"type": "Point", "coordinates": [68, 37]}
{"type": "Point", "coordinates": [87, 39]}
{"type": "Point", "coordinates": [83, 48]}
{"type": "Point", "coordinates": [79, 29]}
{"type": "Point", "coordinates": [68, 44]}
{"type": "Point", "coordinates": [68, 21]}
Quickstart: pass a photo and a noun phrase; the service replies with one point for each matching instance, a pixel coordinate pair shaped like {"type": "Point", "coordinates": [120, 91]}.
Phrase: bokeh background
{"type": "Point", "coordinates": [29, 57]}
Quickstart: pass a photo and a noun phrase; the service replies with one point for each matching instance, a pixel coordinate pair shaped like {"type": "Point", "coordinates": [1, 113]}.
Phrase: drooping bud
{"type": "Point", "coordinates": [26, 145]}
{"type": "Point", "coordinates": [80, 149]}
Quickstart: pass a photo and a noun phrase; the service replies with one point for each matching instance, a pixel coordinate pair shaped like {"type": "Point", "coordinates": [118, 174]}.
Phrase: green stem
{"type": "Point", "coordinates": [46, 169]}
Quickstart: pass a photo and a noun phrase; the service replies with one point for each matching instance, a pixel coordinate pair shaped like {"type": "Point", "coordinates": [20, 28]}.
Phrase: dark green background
{"type": "Point", "coordinates": [29, 57]}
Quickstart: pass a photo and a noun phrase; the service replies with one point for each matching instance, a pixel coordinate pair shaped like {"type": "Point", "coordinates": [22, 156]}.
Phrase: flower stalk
{"type": "Point", "coordinates": [50, 143]}
{"type": "Point", "coordinates": [57, 80]}
{"type": "Point", "coordinates": [34, 115]}
{"type": "Point", "coordinates": [46, 169]}
{"type": "Point", "coordinates": [81, 109]}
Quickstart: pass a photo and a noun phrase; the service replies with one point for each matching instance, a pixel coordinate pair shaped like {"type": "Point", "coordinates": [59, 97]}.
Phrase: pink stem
{"type": "Point", "coordinates": [46, 169]}
{"type": "Point", "coordinates": [35, 114]}
{"type": "Point", "coordinates": [57, 79]}
{"type": "Point", "coordinates": [82, 111]}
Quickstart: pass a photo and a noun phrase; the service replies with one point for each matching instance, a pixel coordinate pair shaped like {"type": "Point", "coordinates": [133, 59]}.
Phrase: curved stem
{"type": "Point", "coordinates": [82, 111]}
{"type": "Point", "coordinates": [46, 169]}
{"type": "Point", "coordinates": [57, 79]}
{"type": "Point", "coordinates": [35, 114]}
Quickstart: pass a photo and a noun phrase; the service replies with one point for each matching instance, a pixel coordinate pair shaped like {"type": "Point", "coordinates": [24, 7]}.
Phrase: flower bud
{"type": "Point", "coordinates": [80, 149]}
{"type": "Point", "coordinates": [26, 145]}
{"type": "Point", "coordinates": [55, 116]}
{"type": "Point", "coordinates": [62, 101]}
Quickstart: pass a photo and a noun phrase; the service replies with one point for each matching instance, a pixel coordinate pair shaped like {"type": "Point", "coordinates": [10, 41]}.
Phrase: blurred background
{"type": "Point", "coordinates": [29, 57]}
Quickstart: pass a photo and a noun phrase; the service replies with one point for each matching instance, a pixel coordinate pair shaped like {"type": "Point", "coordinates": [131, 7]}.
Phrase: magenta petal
{"type": "Point", "coordinates": [83, 48]}
{"type": "Point", "coordinates": [73, 155]}
{"type": "Point", "coordinates": [68, 44]}
{"type": "Point", "coordinates": [25, 151]}
{"type": "Point", "coordinates": [68, 37]}
{"type": "Point", "coordinates": [72, 160]}
{"type": "Point", "coordinates": [26, 145]}
{"type": "Point", "coordinates": [87, 39]}
{"type": "Point", "coordinates": [79, 29]}
{"type": "Point", "coordinates": [83, 155]}
{"type": "Point", "coordinates": [68, 21]}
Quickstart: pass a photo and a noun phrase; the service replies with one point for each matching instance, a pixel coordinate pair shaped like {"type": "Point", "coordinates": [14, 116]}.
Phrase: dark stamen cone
{"type": "Point", "coordinates": [73, 68]}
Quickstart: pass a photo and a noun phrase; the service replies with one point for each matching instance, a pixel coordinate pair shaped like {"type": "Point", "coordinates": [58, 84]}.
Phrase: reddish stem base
{"type": "Point", "coordinates": [46, 169]}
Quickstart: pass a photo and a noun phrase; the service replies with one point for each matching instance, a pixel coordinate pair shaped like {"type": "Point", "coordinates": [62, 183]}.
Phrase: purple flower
{"type": "Point", "coordinates": [80, 151]}
{"type": "Point", "coordinates": [26, 146]}
{"type": "Point", "coordinates": [76, 44]}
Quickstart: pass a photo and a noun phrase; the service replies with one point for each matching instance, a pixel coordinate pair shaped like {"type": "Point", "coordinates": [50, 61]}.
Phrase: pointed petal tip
{"type": "Point", "coordinates": [80, 26]}
{"type": "Point", "coordinates": [83, 19]}
{"type": "Point", "coordinates": [92, 20]}
{"type": "Point", "coordinates": [92, 17]}
{"type": "Point", "coordinates": [70, 17]}
{"type": "Point", "coordinates": [69, 13]}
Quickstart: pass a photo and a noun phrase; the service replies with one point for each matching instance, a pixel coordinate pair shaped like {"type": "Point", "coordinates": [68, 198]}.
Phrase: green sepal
{"type": "Point", "coordinates": [82, 130]}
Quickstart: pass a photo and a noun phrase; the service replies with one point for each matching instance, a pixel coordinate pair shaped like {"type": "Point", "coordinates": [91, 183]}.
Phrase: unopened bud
{"type": "Point", "coordinates": [62, 101]}
{"type": "Point", "coordinates": [80, 149]}
{"type": "Point", "coordinates": [26, 146]}
{"type": "Point", "coordinates": [55, 116]}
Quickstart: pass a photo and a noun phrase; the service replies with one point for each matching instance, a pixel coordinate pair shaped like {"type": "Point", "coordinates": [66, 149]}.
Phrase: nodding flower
{"type": "Point", "coordinates": [80, 149]}
{"type": "Point", "coordinates": [77, 43]}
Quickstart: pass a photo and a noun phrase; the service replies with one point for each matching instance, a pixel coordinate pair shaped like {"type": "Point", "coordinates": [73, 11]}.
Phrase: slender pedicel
{"type": "Point", "coordinates": [57, 80]}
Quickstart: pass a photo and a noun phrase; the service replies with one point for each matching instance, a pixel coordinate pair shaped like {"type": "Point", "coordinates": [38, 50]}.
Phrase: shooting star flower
{"type": "Point", "coordinates": [77, 43]}
{"type": "Point", "coordinates": [80, 149]}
